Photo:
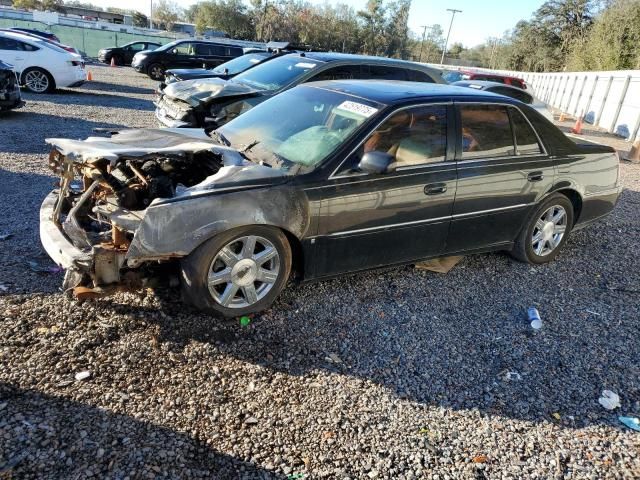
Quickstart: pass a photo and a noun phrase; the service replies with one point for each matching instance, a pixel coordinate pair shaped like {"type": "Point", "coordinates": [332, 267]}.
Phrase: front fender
{"type": "Point", "coordinates": [175, 229]}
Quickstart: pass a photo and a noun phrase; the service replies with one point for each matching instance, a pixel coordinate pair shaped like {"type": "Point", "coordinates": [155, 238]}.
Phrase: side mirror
{"type": "Point", "coordinates": [376, 162]}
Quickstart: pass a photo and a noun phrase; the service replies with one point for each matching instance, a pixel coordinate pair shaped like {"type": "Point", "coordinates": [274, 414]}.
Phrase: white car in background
{"type": "Point", "coordinates": [41, 66]}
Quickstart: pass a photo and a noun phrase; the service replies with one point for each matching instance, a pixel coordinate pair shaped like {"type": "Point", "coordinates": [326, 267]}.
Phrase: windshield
{"type": "Point", "coordinates": [240, 64]}
{"type": "Point", "coordinates": [311, 124]}
{"type": "Point", "coordinates": [276, 73]}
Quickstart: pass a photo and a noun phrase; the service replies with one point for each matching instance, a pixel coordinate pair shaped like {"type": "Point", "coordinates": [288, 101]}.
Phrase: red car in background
{"type": "Point", "coordinates": [458, 75]}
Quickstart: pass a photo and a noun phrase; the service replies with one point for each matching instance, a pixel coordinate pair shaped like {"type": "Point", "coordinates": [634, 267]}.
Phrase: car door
{"type": "Point", "coordinates": [503, 170]}
{"type": "Point", "coordinates": [371, 220]}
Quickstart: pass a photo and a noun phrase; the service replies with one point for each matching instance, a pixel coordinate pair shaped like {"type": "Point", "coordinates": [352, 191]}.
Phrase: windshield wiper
{"type": "Point", "coordinates": [220, 137]}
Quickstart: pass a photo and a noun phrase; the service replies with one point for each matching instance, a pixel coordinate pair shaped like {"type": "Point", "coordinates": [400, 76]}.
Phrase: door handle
{"type": "Point", "coordinates": [435, 188]}
{"type": "Point", "coordinates": [535, 176]}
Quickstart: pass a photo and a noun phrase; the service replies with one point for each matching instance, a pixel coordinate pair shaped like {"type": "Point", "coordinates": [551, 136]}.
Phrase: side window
{"type": "Point", "coordinates": [217, 50]}
{"type": "Point", "coordinates": [202, 49]}
{"type": "Point", "coordinates": [486, 131]}
{"type": "Point", "coordinates": [136, 47]}
{"type": "Point", "coordinates": [414, 136]}
{"type": "Point", "coordinates": [185, 49]}
{"type": "Point", "coordinates": [11, 44]}
{"type": "Point", "coordinates": [418, 76]}
{"type": "Point", "coordinates": [382, 72]}
{"type": "Point", "coordinates": [232, 52]}
{"type": "Point", "coordinates": [526, 139]}
{"type": "Point", "coordinates": [343, 72]}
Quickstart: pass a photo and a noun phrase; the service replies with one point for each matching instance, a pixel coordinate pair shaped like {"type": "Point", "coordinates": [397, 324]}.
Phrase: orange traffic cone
{"type": "Point", "coordinates": [634, 154]}
{"type": "Point", "coordinates": [577, 128]}
{"type": "Point", "coordinates": [113, 62]}
{"type": "Point", "coordinates": [89, 76]}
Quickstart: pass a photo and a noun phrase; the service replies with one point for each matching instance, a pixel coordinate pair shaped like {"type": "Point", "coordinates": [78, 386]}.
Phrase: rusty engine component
{"type": "Point", "coordinates": [100, 212]}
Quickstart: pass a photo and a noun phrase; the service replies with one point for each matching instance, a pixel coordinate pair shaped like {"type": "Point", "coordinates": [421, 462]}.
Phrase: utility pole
{"type": "Point", "coordinates": [424, 31]}
{"type": "Point", "coordinates": [151, 14]}
{"type": "Point", "coordinates": [453, 14]}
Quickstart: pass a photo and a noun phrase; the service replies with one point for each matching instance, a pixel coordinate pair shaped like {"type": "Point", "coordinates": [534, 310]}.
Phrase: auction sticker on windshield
{"type": "Point", "coordinates": [358, 108]}
{"type": "Point", "coordinates": [305, 65]}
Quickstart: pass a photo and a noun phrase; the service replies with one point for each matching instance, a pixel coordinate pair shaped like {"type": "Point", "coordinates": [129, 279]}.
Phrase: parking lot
{"type": "Point", "coordinates": [398, 373]}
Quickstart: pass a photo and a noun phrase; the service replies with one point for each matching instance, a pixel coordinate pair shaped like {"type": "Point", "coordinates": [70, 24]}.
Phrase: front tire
{"type": "Point", "coordinates": [237, 272]}
{"type": "Point", "coordinates": [38, 80]}
{"type": "Point", "coordinates": [156, 71]}
{"type": "Point", "coordinates": [546, 231]}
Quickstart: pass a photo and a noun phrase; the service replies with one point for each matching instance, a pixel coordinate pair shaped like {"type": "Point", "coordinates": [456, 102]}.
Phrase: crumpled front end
{"type": "Point", "coordinates": [88, 224]}
{"type": "Point", "coordinates": [9, 90]}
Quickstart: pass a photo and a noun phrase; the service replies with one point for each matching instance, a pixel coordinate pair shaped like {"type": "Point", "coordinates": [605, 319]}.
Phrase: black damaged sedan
{"type": "Point", "coordinates": [322, 180]}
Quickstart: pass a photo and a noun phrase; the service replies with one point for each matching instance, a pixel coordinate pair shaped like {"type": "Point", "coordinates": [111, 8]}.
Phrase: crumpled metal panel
{"type": "Point", "coordinates": [175, 229]}
{"type": "Point", "coordinates": [143, 142]}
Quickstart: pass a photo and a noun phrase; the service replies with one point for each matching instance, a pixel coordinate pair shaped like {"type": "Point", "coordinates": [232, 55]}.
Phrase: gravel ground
{"type": "Point", "coordinates": [396, 374]}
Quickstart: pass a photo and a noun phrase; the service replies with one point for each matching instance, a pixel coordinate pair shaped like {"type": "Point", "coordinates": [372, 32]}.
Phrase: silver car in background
{"type": "Point", "coordinates": [513, 92]}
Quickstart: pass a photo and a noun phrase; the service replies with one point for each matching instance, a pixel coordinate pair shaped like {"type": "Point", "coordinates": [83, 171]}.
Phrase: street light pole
{"type": "Point", "coordinates": [424, 31]}
{"type": "Point", "coordinates": [151, 14]}
{"type": "Point", "coordinates": [453, 14]}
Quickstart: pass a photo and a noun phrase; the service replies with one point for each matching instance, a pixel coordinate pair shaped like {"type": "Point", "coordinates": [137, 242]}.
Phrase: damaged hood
{"type": "Point", "coordinates": [199, 91]}
{"type": "Point", "coordinates": [235, 172]}
{"type": "Point", "coordinates": [139, 143]}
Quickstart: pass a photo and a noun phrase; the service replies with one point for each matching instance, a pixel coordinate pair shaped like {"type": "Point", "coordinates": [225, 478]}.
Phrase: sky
{"type": "Point", "coordinates": [478, 20]}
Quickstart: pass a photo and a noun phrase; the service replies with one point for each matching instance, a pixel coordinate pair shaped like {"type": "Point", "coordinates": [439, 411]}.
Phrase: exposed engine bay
{"type": "Point", "coordinates": [107, 185]}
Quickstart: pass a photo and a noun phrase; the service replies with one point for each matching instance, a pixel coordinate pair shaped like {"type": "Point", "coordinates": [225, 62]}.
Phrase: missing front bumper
{"type": "Point", "coordinates": [100, 266]}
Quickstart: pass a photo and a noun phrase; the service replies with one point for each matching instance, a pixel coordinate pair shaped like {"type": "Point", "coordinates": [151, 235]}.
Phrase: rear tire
{"type": "Point", "coordinates": [118, 60]}
{"type": "Point", "coordinates": [38, 80]}
{"type": "Point", "coordinates": [237, 272]}
{"type": "Point", "coordinates": [545, 232]}
{"type": "Point", "coordinates": [155, 71]}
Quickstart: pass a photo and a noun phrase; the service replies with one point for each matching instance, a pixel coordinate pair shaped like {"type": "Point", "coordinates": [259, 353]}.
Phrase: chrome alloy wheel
{"type": "Point", "coordinates": [36, 81]}
{"type": "Point", "coordinates": [549, 230]}
{"type": "Point", "coordinates": [243, 271]}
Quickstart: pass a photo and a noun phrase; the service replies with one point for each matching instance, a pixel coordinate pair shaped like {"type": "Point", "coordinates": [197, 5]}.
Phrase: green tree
{"type": "Point", "coordinates": [166, 13]}
{"type": "Point", "coordinates": [614, 41]}
{"type": "Point", "coordinates": [27, 4]}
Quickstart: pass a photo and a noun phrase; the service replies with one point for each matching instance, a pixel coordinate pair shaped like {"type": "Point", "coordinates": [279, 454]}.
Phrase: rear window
{"type": "Point", "coordinates": [418, 76]}
{"type": "Point", "coordinates": [513, 93]}
{"type": "Point", "coordinates": [383, 72]}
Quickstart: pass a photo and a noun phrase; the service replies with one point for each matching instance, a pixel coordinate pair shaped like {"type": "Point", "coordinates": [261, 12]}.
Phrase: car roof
{"type": "Point", "coordinates": [23, 37]}
{"type": "Point", "coordinates": [484, 84]}
{"type": "Point", "coordinates": [196, 40]}
{"type": "Point", "coordinates": [394, 91]}
{"type": "Point", "coordinates": [364, 59]}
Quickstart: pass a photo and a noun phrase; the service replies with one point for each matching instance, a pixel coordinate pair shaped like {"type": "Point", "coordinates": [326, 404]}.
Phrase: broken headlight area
{"type": "Point", "coordinates": [101, 203]}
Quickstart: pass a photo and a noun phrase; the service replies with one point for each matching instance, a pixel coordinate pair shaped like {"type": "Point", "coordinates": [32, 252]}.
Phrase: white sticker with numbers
{"type": "Point", "coordinates": [357, 108]}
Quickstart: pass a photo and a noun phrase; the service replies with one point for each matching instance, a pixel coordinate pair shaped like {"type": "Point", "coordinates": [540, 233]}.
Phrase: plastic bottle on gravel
{"type": "Point", "coordinates": [534, 318]}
